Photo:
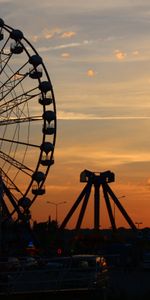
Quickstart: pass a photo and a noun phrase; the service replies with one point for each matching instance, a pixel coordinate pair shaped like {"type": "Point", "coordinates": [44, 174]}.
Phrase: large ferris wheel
{"type": "Point", "coordinates": [27, 124]}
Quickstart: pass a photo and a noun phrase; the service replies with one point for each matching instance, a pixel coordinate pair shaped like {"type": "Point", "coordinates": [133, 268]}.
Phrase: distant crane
{"type": "Point", "coordinates": [98, 180]}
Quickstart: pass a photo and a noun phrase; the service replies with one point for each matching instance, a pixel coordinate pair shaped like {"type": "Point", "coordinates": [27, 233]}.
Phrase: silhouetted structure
{"type": "Point", "coordinates": [27, 79]}
{"type": "Point", "coordinates": [98, 180]}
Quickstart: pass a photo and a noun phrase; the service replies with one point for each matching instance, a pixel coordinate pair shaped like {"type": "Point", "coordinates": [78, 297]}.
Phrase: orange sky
{"type": "Point", "coordinates": [99, 145]}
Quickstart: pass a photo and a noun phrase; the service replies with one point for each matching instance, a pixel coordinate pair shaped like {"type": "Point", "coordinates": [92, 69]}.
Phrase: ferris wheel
{"type": "Point", "coordinates": [27, 124]}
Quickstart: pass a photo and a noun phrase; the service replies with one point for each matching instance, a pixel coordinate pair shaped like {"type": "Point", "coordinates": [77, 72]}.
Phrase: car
{"type": "Point", "coordinates": [13, 263]}
{"type": "Point", "coordinates": [29, 262]}
{"type": "Point", "coordinates": [80, 271]}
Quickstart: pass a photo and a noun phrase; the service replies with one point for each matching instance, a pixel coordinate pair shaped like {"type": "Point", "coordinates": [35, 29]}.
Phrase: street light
{"type": "Point", "coordinates": [56, 205]}
{"type": "Point", "coordinates": [115, 206]}
{"type": "Point", "coordinates": [138, 224]}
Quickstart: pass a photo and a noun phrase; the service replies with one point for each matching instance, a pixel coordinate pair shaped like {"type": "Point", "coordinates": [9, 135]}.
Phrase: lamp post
{"type": "Point", "coordinates": [138, 224]}
{"type": "Point", "coordinates": [56, 206]}
{"type": "Point", "coordinates": [115, 206]}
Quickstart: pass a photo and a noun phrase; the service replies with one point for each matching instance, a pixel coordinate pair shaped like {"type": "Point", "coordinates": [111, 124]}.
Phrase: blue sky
{"type": "Point", "coordinates": [97, 54]}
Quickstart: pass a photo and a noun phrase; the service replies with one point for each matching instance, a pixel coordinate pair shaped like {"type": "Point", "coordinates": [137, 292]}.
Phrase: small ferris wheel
{"type": "Point", "coordinates": [27, 124]}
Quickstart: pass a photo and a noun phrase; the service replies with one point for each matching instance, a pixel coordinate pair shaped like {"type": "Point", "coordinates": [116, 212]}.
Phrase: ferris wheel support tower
{"type": "Point", "coordinates": [98, 180]}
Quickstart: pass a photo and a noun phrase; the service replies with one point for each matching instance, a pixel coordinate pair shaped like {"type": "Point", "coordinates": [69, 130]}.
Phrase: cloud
{"type": "Point", "coordinates": [65, 55]}
{"type": "Point", "coordinates": [64, 115]}
{"type": "Point", "coordinates": [73, 116]}
{"type": "Point", "coordinates": [135, 53]}
{"type": "Point", "coordinates": [63, 46]}
{"type": "Point", "coordinates": [68, 34]}
{"type": "Point", "coordinates": [48, 34]}
{"type": "Point", "coordinates": [127, 161]}
{"type": "Point", "coordinates": [91, 73]}
{"type": "Point", "coordinates": [52, 33]}
{"type": "Point", "coordinates": [120, 55]}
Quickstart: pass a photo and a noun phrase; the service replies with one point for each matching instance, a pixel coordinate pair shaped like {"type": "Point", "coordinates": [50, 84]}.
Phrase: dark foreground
{"type": "Point", "coordinates": [70, 277]}
{"type": "Point", "coordinates": [129, 284]}
{"type": "Point", "coordinates": [123, 285]}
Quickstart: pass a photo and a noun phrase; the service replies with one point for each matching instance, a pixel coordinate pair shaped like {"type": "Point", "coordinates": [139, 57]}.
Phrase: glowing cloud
{"type": "Point", "coordinates": [120, 55]}
{"type": "Point", "coordinates": [65, 55]}
{"type": "Point", "coordinates": [48, 34]}
{"type": "Point", "coordinates": [68, 34]}
{"type": "Point", "coordinates": [91, 73]}
{"type": "Point", "coordinates": [65, 115]}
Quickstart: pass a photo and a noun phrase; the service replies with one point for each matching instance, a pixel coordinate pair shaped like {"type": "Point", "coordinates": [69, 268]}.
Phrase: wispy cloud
{"type": "Point", "coordinates": [77, 153]}
{"type": "Point", "coordinates": [68, 34]}
{"type": "Point", "coordinates": [53, 33]}
{"type": "Point", "coordinates": [65, 55]}
{"type": "Point", "coordinates": [63, 46]}
{"type": "Point", "coordinates": [63, 115]}
{"type": "Point", "coordinates": [47, 34]}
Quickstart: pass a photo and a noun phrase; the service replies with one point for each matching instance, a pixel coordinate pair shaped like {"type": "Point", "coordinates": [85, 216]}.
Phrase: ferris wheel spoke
{"type": "Point", "coordinates": [12, 86]}
{"type": "Point", "coordinates": [26, 95]}
{"type": "Point", "coordinates": [12, 199]}
{"type": "Point", "coordinates": [10, 183]}
{"type": "Point", "coordinates": [15, 163]}
{"type": "Point", "coordinates": [15, 75]}
{"type": "Point", "coordinates": [20, 120]}
{"type": "Point", "coordinates": [13, 103]}
{"type": "Point", "coordinates": [20, 143]}
{"type": "Point", "coordinates": [5, 61]}
{"type": "Point", "coordinates": [5, 44]}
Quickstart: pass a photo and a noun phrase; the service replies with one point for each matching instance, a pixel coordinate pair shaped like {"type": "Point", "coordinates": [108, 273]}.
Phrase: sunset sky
{"type": "Point", "coordinates": [97, 54]}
